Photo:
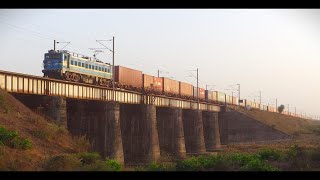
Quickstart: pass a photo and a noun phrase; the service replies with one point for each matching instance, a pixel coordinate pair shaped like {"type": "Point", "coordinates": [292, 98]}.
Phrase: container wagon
{"type": "Point", "coordinates": [170, 87]}
{"type": "Point", "coordinates": [127, 78]}
{"type": "Point", "coordinates": [186, 90]}
{"type": "Point", "coordinates": [201, 93]}
{"type": "Point", "coordinates": [152, 84]}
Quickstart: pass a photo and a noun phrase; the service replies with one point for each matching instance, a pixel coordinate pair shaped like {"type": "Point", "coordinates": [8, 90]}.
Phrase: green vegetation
{"type": "Point", "coordinates": [226, 162]}
{"type": "Point", "coordinates": [272, 154]}
{"type": "Point", "coordinates": [13, 140]}
{"type": "Point", "coordinates": [81, 162]}
{"type": "Point", "coordinates": [267, 159]}
{"type": "Point", "coordinates": [280, 108]}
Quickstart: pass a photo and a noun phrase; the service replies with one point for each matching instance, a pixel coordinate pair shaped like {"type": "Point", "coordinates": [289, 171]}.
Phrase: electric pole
{"type": "Point", "coordinates": [54, 45]}
{"type": "Point", "coordinates": [198, 87]}
{"type": "Point", "coordinates": [239, 94]}
{"type": "Point", "coordinates": [113, 69]}
{"type": "Point", "coordinates": [158, 72]}
{"type": "Point", "coordinates": [260, 96]}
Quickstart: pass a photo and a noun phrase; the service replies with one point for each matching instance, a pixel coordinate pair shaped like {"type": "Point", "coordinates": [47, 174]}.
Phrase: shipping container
{"type": "Point", "coordinates": [265, 108]}
{"type": "Point", "coordinates": [170, 86]}
{"type": "Point", "coordinates": [235, 100]}
{"type": "Point", "coordinates": [229, 99]}
{"type": "Point", "coordinates": [128, 77]}
{"type": "Point", "coordinates": [186, 89]}
{"type": "Point", "coordinates": [211, 95]}
{"type": "Point", "coordinates": [147, 82]}
{"type": "Point", "coordinates": [221, 97]}
{"type": "Point", "coordinates": [249, 103]}
{"type": "Point", "coordinates": [201, 93]}
{"type": "Point", "coordinates": [158, 83]}
{"type": "Point", "coordinates": [152, 83]}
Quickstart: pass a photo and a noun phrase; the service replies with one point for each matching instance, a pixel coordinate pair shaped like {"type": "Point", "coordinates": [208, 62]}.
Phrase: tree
{"type": "Point", "coordinates": [280, 108]}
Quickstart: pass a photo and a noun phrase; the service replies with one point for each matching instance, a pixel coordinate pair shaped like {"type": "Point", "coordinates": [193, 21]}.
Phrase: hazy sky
{"type": "Point", "coordinates": [275, 51]}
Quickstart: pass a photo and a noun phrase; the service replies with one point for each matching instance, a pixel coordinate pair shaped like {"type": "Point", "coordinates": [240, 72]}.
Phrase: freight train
{"type": "Point", "coordinates": [79, 68]}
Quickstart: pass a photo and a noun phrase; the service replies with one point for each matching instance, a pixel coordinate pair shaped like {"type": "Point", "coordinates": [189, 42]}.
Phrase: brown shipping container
{"type": "Point", "coordinates": [228, 99]}
{"type": "Point", "coordinates": [170, 86]}
{"type": "Point", "coordinates": [211, 95]}
{"type": "Point", "coordinates": [158, 83]}
{"type": "Point", "coordinates": [235, 100]}
{"type": "Point", "coordinates": [147, 81]}
{"type": "Point", "coordinates": [127, 76]}
{"type": "Point", "coordinates": [152, 82]}
{"type": "Point", "coordinates": [201, 93]}
{"type": "Point", "coordinates": [186, 89]}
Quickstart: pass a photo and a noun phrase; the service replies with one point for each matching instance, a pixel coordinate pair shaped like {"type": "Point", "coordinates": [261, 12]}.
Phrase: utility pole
{"type": "Point", "coordinates": [239, 94]}
{"type": "Point", "coordinates": [260, 96]}
{"type": "Point", "coordinates": [207, 86]}
{"type": "Point", "coordinates": [158, 72]}
{"type": "Point", "coordinates": [198, 87]}
{"type": "Point", "coordinates": [54, 45]}
{"type": "Point", "coordinates": [232, 97]}
{"type": "Point", "coordinates": [113, 69]}
{"type": "Point", "coordinates": [276, 105]}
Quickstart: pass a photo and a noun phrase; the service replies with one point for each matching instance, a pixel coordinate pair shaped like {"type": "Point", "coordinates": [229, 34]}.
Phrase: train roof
{"type": "Point", "coordinates": [77, 55]}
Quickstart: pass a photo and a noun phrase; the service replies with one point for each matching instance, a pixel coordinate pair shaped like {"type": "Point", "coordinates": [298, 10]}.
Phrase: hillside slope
{"type": "Point", "coordinates": [288, 124]}
{"type": "Point", "coordinates": [47, 139]}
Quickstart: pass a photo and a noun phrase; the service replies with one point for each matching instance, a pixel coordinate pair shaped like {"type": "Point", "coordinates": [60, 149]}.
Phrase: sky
{"type": "Point", "coordinates": [272, 51]}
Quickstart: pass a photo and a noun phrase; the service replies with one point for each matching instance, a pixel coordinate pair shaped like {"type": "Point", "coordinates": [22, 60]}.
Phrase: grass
{"type": "Point", "coordinates": [13, 140]}
{"type": "Point", "coordinates": [225, 162]}
{"type": "Point", "coordinates": [3, 104]}
{"type": "Point", "coordinates": [89, 161]}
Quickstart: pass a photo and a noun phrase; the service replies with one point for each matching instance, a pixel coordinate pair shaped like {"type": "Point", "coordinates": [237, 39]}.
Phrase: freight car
{"type": "Point", "coordinates": [75, 67]}
{"type": "Point", "coordinates": [127, 78]}
{"type": "Point", "coordinates": [186, 90]}
{"type": "Point", "coordinates": [152, 84]}
{"type": "Point", "coordinates": [170, 87]}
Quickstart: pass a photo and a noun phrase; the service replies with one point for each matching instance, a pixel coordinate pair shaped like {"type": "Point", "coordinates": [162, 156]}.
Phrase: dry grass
{"type": "Point", "coordinates": [287, 124]}
{"type": "Point", "coordinates": [47, 138]}
{"type": "Point", "coordinates": [303, 131]}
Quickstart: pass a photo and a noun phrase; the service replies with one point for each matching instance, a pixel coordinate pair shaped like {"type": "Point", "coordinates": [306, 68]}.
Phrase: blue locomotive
{"type": "Point", "coordinates": [75, 67]}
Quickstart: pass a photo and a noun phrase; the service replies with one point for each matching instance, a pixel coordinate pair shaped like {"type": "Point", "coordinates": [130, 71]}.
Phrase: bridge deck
{"type": "Point", "coordinates": [29, 84]}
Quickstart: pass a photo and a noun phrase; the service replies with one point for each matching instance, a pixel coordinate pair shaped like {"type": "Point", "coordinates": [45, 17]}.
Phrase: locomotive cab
{"type": "Point", "coordinates": [52, 64]}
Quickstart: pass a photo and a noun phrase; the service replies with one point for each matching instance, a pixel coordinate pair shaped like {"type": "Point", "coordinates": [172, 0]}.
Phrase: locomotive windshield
{"type": "Point", "coordinates": [53, 56]}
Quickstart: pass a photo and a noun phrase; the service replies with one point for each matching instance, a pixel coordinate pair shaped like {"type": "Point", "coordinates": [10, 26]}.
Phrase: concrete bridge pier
{"type": "Point", "coordinates": [51, 107]}
{"type": "Point", "coordinates": [223, 127]}
{"type": "Point", "coordinates": [211, 131]}
{"type": "Point", "coordinates": [139, 133]}
{"type": "Point", "coordinates": [170, 129]}
{"type": "Point", "coordinates": [100, 122]}
{"type": "Point", "coordinates": [193, 131]}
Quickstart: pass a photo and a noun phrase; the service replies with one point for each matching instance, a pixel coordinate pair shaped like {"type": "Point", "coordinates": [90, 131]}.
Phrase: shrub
{"type": "Point", "coordinates": [154, 166]}
{"type": "Point", "coordinates": [191, 164]}
{"type": "Point", "coordinates": [280, 108]}
{"type": "Point", "coordinates": [113, 165]}
{"type": "Point", "coordinates": [89, 158]}
{"type": "Point", "coordinates": [62, 163]}
{"type": "Point", "coordinates": [258, 165]}
{"type": "Point", "coordinates": [271, 154]}
{"type": "Point", "coordinates": [293, 152]}
{"type": "Point", "coordinates": [13, 140]}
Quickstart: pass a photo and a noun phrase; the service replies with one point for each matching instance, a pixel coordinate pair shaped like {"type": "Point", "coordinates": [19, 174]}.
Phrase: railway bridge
{"type": "Point", "coordinates": [128, 126]}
